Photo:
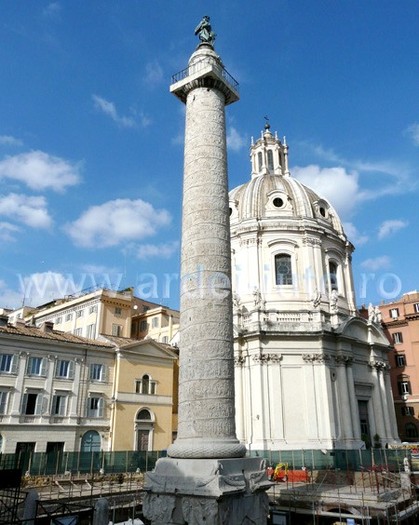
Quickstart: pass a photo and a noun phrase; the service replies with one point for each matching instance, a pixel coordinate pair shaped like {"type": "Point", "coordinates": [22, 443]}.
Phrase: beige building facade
{"type": "Point", "coordinates": [104, 312]}
{"type": "Point", "coordinates": [62, 392]}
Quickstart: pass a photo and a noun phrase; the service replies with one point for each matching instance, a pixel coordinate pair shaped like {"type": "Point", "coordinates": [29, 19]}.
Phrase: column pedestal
{"type": "Point", "coordinates": [214, 491]}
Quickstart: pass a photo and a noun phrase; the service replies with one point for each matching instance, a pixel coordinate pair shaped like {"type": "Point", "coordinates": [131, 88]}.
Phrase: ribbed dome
{"type": "Point", "coordinates": [273, 193]}
{"type": "Point", "coordinates": [277, 196]}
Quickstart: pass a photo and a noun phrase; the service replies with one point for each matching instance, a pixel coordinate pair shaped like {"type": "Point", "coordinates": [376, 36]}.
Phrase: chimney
{"type": "Point", "coordinates": [47, 326]}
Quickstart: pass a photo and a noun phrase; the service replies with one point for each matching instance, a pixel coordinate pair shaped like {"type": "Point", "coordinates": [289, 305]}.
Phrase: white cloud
{"type": "Point", "coordinates": [394, 177]}
{"type": "Point", "coordinates": [413, 132]}
{"type": "Point", "coordinates": [338, 186]}
{"type": "Point", "coordinates": [390, 227]}
{"type": "Point", "coordinates": [40, 288]}
{"type": "Point", "coordinates": [354, 235]}
{"type": "Point", "coordinates": [153, 73]}
{"type": "Point", "coordinates": [53, 9]}
{"type": "Point", "coordinates": [116, 222]}
{"type": "Point", "coordinates": [32, 211]}
{"type": "Point", "coordinates": [109, 109]}
{"type": "Point", "coordinates": [7, 230]}
{"type": "Point", "coordinates": [9, 298]}
{"type": "Point", "coordinates": [165, 251]}
{"type": "Point", "coordinates": [235, 141]}
{"type": "Point", "coordinates": [7, 140]}
{"type": "Point", "coordinates": [36, 289]}
{"type": "Point", "coordinates": [377, 263]}
{"type": "Point", "coordinates": [40, 171]}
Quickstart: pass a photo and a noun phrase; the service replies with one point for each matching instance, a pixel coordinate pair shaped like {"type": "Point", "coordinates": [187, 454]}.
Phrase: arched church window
{"type": "Point", "coordinates": [411, 430]}
{"type": "Point", "coordinates": [144, 426]}
{"type": "Point", "coordinates": [283, 269]}
{"type": "Point", "coordinates": [270, 160]}
{"type": "Point", "coordinates": [333, 275]}
{"type": "Point", "coordinates": [260, 162]}
{"type": "Point", "coordinates": [144, 415]}
{"type": "Point", "coordinates": [145, 385]}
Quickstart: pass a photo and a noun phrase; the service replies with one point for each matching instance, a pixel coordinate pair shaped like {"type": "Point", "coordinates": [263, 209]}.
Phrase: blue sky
{"type": "Point", "coordinates": [91, 141]}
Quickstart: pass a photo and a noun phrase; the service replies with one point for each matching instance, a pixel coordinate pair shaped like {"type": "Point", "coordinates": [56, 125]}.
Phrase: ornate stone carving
{"type": "Point", "coordinates": [310, 241]}
{"type": "Point", "coordinates": [264, 359]}
{"type": "Point", "coordinates": [316, 358]}
{"type": "Point", "coordinates": [333, 300]}
{"type": "Point", "coordinates": [380, 366]}
{"type": "Point", "coordinates": [258, 300]}
{"type": "Point", "coordinates": [239, 360]}
{"type": "Point", "coordinates": [316, 298]}
{"type": "Point", "coordinates": [344, 360]}
{"type": "Point", "coordinates": [159, 509]}
{"type": "Point", "coordinates": [374, 314]}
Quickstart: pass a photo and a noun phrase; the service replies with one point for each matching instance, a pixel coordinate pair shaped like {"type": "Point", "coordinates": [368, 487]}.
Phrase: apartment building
{"type": "Point", "coordinates": [400, 319]}
{"type": "Point", "coordinates": [104, 312]}
{"type": "Point", "coordinates": [62, 392]}
{"type": "Point", "coordinates": [158, 323]}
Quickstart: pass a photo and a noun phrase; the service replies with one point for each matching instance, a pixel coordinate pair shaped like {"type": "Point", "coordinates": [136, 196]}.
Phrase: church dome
{"type": "Point", "coordinates": [289, 248]}
{"type": "Point", "coordinates": [273, 193]}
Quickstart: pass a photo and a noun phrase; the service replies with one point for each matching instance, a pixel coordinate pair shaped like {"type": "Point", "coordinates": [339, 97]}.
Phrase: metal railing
{"type": "Point", "coordinates": [202, 64]}
{"type": "Point", "coordinates": [66, 463]}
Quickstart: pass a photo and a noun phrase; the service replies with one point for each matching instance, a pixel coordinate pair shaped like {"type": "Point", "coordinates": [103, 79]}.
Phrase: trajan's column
{"type": "Point", "coordinates": [206, 478]}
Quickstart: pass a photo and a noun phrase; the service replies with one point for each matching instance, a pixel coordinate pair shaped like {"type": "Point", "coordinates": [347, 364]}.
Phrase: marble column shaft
{"type": "Point", "coordinates": [206, 425]}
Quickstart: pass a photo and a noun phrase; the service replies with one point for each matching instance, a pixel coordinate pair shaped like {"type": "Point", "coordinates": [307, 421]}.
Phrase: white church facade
{"type": "Point", "coordinates": [310, 373]}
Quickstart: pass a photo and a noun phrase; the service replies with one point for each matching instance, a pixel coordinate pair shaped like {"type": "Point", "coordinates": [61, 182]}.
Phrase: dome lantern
{"type": "Point", "coordinates": [268, 155]}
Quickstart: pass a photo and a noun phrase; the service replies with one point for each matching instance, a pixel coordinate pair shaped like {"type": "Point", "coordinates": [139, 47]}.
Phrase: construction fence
{"type": "Point", "coordinates": [66, 463]}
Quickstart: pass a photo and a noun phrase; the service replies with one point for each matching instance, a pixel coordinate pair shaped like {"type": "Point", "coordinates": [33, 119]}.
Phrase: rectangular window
{"type": "Point", "coordinates": [32, 404]}
{"type": "Point", "coordinates": [59, 320]}
{"type": "Point", "coordinates": [408, 411]}
{"type": "Point", "coordinates": [93, 309]}
{"type": "Point", "coordinates": [37, 366]}
{"type": "Point", "coordinates": [155, 322]}
{"type": "Point", "coordinates": [64, 369]}
{"type": "Point", "coordinates": [138, 387]}
{"type": "Point", "coordinates": [79, 332]}
{"type": "Point", "coordinates": [416, 306]}
{"type": "Point", "coordinates": [394, 313]}
{"type": "Point", "coordinates": [59, 405]}
{"type": "Point", "coordinates": [400, 360]}
{"type": "Point", "coordinates": [283, 270]}
{"type": "Point", "coordinates": [6, 363]}
{"type": "Point", "coordinates": [97, 372]}
{"type": "Point", "coordinates": [95, 407]}
{"type": "Point", "coordinates": [116, 330]}
{"type": "Point", "coordinates": [404, 387]}
{"type": "Point", "coordinates": [91, 331]}
{"type": "Point", "coordinates": [118, 311]}
{"type": "Point", "coordinates": [4, 396]}
{"type": "Point", "coordinates": [69, 317]}
{"type": "Point", "coordinates": [397, 338]}
{"type": "Point", "coordinates": [79, 313]}
{"type": "Point", "coordinates": [143, 326]}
